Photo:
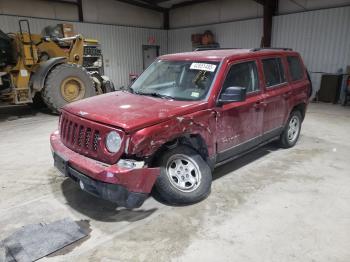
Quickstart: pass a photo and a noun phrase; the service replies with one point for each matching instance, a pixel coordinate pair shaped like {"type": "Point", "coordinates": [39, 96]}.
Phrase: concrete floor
{"type": "Point", "coordinates": [271, 205]}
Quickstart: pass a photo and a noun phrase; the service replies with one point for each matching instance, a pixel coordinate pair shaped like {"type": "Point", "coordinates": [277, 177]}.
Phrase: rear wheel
{"type": "Point", "coordinates": [67, 83]}
{"type": "Point", "coordinates": [185, 177]}
{"type": "Point", "coordinates": [291, 132]}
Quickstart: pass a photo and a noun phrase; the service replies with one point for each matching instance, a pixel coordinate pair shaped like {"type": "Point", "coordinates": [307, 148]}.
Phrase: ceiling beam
{"type": "Point", "coordinates": [142, 4]}
{"type": "Point", "coordinates": [188, 3]}
{"type": "Point", "coordinates": [273, 4]}
{"type": "Point", "coordinates": [166, 20]}
{"type": "Point", "coordinates": [80, 10]}
{"type": "Point", "coordinates": [149, 2]}
{"type": "Point", "coordinates": [270, 9]}
{"type": "Point", "coordinates": [64, 2]}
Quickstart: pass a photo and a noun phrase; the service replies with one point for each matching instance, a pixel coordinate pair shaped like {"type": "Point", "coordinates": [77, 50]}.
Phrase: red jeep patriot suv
{"type": "Point", "coordinates": [186, 114]}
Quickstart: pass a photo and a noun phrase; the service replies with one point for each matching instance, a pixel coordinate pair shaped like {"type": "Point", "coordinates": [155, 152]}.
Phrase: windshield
{"type": "Point", "coordinates": [179, 80]}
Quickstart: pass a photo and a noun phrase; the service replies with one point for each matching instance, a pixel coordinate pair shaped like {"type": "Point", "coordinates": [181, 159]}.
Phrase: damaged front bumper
{"type": "Point", "coordinates": [125, 183]}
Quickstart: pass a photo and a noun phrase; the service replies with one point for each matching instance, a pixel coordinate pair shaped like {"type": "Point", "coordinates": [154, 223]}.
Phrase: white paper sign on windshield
{"type": "Point", "coordinates": [203, 66]}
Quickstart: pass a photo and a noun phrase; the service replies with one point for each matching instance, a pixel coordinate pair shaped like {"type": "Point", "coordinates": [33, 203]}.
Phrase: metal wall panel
{"type": "Point", "coordinates": [210, 12]}
{"type": "Point", "coordinates": [245, 34]}
{"type": "Point", "coordinates": [322, 37]}
{"type": "Point", "coordinates": [121, 45]}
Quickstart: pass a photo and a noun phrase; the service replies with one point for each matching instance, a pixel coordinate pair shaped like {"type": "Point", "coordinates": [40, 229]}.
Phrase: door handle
{"type": "Point", "coordinates": [258, 105]}
{"type": "Point", "coordinates": [287, 95]}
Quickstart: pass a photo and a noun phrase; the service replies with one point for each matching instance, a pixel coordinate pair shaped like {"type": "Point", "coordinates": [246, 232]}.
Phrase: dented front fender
{"type": "Point", "coordinates": [147, 141]}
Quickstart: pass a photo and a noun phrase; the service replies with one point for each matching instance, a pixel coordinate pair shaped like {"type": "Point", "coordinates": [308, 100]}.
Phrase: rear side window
{"type": "Point", "coordinates": [295, 68]}
{"type": "Point", "coordinates": [243, 75]}
{"type": "Point", "coordinates": [273, 71]}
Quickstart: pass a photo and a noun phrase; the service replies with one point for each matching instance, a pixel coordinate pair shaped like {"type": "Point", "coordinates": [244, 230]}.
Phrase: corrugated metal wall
{"type": "Point", "coordinates": [322, 37]}
{"type": "Point", "coordinates": [234, 34]}
{"type": "Point", "coordinates": [121, 45]}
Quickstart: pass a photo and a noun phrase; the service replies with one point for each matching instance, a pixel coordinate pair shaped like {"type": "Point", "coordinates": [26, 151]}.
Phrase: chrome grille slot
{"type": "Point", "coordinates": [63, 129]}
{"type": "Point", "coordinates": [69, 130]}
{"type": "Point", "coordinates": [81, 136]}
{"type": "Point", "coordinates": [74, 136]}
{"type": "Point", "coordinates": [87, 137]}
{"type": "Point", "coordinates": [95, 140]}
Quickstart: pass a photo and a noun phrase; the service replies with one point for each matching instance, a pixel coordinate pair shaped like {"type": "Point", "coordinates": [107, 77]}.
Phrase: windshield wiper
{"type": "Point", "coordinates": [155, 95]}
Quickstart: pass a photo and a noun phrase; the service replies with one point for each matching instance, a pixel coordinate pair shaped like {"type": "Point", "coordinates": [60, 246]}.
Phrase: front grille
{"type": "Point", "coordinates": [80, 138]}
{"type": "Point", "coordinates": [85, 137]}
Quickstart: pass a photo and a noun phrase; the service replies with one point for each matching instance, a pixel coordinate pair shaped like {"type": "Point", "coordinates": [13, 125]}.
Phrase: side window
{"type": "Point", "coordinates": [273, 71]}
{"type": "Point", "coordinates": [243, 75]}
{"type": "Point", "coordinates": [295, 68]}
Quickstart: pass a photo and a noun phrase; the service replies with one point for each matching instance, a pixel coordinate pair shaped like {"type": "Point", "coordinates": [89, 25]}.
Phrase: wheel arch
{"type": "Point", "coordinates": [39, 77]}
{"type": "Point", "coordinates": [301, 107]}
{"type": "Point", "coordinates": [194, 141]}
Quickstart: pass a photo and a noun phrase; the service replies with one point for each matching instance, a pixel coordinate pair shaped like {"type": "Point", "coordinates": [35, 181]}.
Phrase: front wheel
{"type": "Point", "coordinates": [291, 132]}
{"type": "Point", "coordinates": [185, 177]}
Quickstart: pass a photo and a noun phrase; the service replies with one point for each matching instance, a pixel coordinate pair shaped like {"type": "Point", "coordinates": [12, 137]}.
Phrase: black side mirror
{"type": "Point", "coordinates": [233, 94]}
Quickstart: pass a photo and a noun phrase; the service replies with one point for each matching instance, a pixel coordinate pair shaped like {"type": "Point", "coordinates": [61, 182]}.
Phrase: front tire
{"type": "Point", "coordinates": [185, 178]}
{"type": "Point", "coordinates": [291, 132]}
{"type": "Point", "coordinates": [67, 83]}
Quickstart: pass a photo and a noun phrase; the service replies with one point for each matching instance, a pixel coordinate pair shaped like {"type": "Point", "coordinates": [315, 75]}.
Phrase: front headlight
{"type": "Point", "coordinates": [113, 142]}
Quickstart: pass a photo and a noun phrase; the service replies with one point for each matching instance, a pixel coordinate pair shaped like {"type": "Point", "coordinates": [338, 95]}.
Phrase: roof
{"type": "Point", "coordinates": [218, 55]}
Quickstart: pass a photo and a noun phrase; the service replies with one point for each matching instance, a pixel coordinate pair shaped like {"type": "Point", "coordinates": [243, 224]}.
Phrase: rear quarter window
{"type": "Point", "coordinates": [273, 71]}
{"type": "Point", "coordinates": [295, 68]}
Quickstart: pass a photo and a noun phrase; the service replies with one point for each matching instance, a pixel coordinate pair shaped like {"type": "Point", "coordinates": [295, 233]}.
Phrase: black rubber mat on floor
{"type": "Point", "coordinates": [36, 241]}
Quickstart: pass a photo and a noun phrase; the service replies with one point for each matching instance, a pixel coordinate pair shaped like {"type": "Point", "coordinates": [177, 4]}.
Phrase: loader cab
{"type": "Point", "coordinates": [7, 51]}
{"type": "Point", "coordinates": [8, 58]}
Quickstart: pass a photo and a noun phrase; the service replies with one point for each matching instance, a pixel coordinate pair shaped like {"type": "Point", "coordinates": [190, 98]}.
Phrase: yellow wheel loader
{"type": "Point", "coordinates": [49, 68]}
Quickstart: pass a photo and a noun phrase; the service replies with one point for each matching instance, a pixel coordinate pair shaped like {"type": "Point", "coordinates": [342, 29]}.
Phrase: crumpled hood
{"type": "Point", "coordinates": [130, 111]}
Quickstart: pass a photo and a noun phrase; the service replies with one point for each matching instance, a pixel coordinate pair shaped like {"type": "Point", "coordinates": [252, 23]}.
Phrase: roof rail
{"type": "Point", "coordinates": [270, 48]}
{"type": "Point", "coordinates": [214, 48]}
{"type": "Point", "coordinates": [252, 50]}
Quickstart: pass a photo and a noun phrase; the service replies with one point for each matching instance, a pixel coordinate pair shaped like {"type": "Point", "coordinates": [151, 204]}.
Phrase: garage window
{"type": "Point", "coordinates": [243, 75]}
{"type": "Point", "coordinates": [295, 68]}
{"type": "Point", "coordinates": [273, 71]}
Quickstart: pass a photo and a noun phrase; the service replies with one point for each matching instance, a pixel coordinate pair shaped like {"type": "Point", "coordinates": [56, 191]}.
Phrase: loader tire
{"type": "Point", "coordinates": [66, 83]}
{"type": "Point", "coordinates": [38, 102]}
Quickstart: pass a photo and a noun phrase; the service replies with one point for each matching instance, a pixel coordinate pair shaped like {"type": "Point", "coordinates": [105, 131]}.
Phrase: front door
{"type": "Point", "coordinates": [277, 92]}
{"type": "Point", "coordinates": [239, 124]}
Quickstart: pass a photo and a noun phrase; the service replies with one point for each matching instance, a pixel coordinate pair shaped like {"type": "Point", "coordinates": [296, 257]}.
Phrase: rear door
{"type": "Point", "coordinates": [277, 93]}
{"type": "Point", "coordinates": [239, 124]}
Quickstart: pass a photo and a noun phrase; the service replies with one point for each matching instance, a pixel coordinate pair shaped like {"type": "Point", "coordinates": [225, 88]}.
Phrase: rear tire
{"type": "Point", "coordinates": [185, 178]}
{"type": "Point", "coordinates": [291, 132]}
{"type": "Point", "coordinates": [66, 83]}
